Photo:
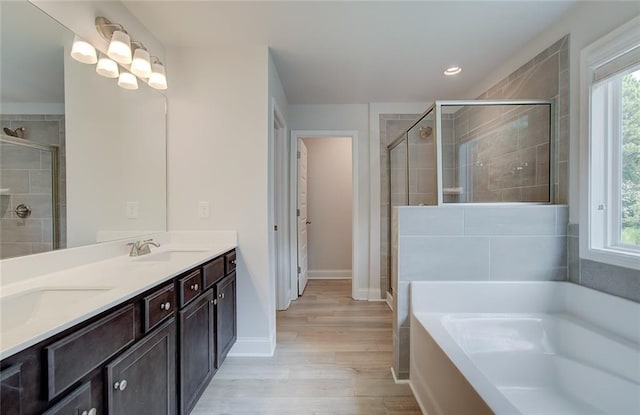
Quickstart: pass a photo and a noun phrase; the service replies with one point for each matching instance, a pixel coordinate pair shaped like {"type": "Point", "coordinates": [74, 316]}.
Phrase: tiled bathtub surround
{"type": "Point", "coordinates": [507, 242]}
{"type": "Point", "coordinates": [26, 172]}
{"type": "Point", "coordinates": [611, 279]}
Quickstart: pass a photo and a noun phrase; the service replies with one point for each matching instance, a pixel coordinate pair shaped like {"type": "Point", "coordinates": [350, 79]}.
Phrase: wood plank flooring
{"type": "Point", "coordinates": [333, 356]}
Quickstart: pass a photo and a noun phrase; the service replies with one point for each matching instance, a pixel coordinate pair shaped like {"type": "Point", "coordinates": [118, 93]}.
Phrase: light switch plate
{"type": "Point", "coordinates": [203, 209]}
{"type": "Point", "coordinates": [132, 210]}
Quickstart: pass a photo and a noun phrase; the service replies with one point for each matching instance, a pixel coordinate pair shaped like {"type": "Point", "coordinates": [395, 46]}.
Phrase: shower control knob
{"type": "Point", "coordinates": [23, 211]}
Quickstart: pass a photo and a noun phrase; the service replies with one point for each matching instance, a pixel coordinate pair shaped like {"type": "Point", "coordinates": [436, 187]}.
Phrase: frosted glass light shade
{"type": "Point", "coordinates": [83, 51]}
{"type": "Point", "coordinates": [127, 80]}
{"type": "Point", "coordinates": [141, 64]}
{"type": "Point", "coordinates": [158, 78]}
{"type": "Point", "coordinates": [106, 67]}
{"type": "Point", "coordinates": [120, 47]}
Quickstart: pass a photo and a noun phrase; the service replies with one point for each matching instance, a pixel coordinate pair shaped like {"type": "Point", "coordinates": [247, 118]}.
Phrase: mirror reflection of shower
{"type": "Point", "coordinates": [17, 132]}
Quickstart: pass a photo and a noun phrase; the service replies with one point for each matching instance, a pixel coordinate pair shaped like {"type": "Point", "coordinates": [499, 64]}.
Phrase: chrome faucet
{"type": "Point", "coordinates": [142, 247]}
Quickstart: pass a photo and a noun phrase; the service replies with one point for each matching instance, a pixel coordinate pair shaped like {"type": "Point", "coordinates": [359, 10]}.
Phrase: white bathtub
{"type": "Point", "coordinates": [523, 348]}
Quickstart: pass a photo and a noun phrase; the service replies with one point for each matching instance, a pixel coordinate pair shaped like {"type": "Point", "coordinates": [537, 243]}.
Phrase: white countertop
{"type": "Point", "coordinates": [107, 283]}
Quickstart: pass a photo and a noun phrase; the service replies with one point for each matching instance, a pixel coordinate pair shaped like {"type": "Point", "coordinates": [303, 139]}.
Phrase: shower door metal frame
{"type": "Point", "coordinates": [54, 179]}
{"type": "Point", "coordinates": [437, 107]}
{"type": "Point", "coordinates": [487, 102]}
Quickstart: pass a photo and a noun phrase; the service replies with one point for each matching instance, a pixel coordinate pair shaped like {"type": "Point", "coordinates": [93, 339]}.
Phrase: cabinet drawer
{"type": "Point", "coordinates": [158, 306]}
{"type": "Point", "coordinates": [189, 287]}
{"type": "Point", "coordinates": [230, 260]}
{"type": "Point", "coordinates": [78, 402]}
{"type": "Point", "coordinates": [11, 390]}
{"type": "Point", "coordinates": [68, 359]}
{"type": "Point", "coordinates": [213, 271]}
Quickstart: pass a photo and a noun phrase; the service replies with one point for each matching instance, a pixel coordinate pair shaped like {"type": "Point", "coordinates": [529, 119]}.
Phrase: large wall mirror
{"type": "Point", "coordinates": [81, 160]}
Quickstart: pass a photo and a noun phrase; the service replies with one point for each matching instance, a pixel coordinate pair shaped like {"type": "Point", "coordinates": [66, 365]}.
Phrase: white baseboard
{"type": "Point", "coordinates": [253, 347]}
{"type": "Point", "coordinates": [398, 381]}
{"type": "Point", "coordinates": [417, 398]}
{"type": "Point", "coordinates": [390, 300]}
{"type": "Point", "coordinates": [361, 294]}
{"type": "Point", "coordinates": [329, 274]}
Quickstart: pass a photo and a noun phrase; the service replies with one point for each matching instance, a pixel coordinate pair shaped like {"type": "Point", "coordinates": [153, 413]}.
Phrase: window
{"type": "Point", "coordinates": [611, 87]}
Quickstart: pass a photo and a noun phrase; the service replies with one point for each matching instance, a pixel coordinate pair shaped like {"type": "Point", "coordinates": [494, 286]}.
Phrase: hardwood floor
{"type": "Point", "coordinates": [333, 356]}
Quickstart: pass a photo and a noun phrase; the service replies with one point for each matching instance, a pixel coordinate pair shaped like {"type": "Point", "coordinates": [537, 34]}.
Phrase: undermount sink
{"type": "Point", "coordinates": [167, 256]}
{"type": "Point", "coordinates": [19, 309]}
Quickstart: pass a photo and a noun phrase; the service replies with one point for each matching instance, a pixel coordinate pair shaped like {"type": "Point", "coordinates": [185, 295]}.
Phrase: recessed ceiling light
{"type": "Point", "coordinates": [454, 70]}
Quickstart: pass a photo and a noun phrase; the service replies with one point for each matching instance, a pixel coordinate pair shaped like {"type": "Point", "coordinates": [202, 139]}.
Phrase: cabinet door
{"type": "Point", "coordinates": [77, 403]}
{"type": "Point", "coordinates": [142, 380]}
{"type": "Point", "coordinates": [197, 350]}
{"type": "Point", "coordinates": [226, 317]}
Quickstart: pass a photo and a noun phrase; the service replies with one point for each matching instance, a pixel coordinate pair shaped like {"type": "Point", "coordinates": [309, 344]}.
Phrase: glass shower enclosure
{"type": "Point", "coordinates": [28, 197]}
{"type": "Point", "coordinates": [480, 151]}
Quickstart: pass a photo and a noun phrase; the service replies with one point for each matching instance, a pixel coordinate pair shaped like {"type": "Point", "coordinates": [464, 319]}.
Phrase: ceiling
{"type": "Point", "coordinates": [360, 52]}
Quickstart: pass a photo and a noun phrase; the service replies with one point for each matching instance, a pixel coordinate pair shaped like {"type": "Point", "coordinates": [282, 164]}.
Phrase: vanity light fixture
{"type": "Point", "coordinates": [453, 70]}
{"type": "Point", "coordinates": [127, 80]}
{"type": "Point", "coordinates": [141, 64]}
{"type": "Point", "coordinates": [107, 67]}
{"type": "Point", "coordinates": [120, 47]}
{"type": "Point", "coordinates": [83, 51]}
{"type": "Point", "coordinates": [158, 78]}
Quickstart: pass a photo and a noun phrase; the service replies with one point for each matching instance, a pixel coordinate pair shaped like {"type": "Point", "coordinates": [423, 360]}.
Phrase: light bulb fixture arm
{"type": "Point", "coordinates": [106, 28]}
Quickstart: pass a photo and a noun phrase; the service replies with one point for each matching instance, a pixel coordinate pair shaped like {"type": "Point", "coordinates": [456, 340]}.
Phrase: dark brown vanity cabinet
{"type": "Point", "coordinates": [226, 324]}
{"type": "Point", "coordinates": [142, 380]}
{"type": "Point", "coordinates": [154, 353]}
{"type": "Point", "coordinates": [197, 349]}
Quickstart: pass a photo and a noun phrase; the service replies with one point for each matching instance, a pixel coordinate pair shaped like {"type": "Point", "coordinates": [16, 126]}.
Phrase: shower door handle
{"type": "Point", "coordinates": [308, 222]}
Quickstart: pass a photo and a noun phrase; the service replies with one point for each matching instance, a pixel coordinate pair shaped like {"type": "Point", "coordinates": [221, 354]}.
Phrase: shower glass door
{"type": "Point", "coordinates": [28, 197]}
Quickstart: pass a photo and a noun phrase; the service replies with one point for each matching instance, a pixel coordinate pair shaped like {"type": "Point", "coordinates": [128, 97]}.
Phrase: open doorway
{"type": "Point", "coordinates": [324, 206]}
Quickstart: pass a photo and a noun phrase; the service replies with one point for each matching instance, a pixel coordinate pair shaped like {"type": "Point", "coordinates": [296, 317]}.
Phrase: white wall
{"type": "Point", "coordinates": [346, 117]}
{"type": "Point", "coordinates": [329, 189]}
{"type": "Point", "coordinates": [218, 146]}
{"type": "Point", "coordinates": [115, 149]}
{"type": "Point", "coordinates": [585, 23]}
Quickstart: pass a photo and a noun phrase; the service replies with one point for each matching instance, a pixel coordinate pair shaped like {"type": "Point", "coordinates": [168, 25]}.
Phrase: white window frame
{"type": "Point", "coordinates": [599, 188]}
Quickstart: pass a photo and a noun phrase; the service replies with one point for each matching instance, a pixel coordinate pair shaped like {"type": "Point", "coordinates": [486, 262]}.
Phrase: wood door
{"type": "Point", "coordinates": [226, 322]}
{"type": "Point", "coordinates": [197, 350]}
{"type": "Point", "coordinates": [303, 255]}
{"type": "Point", "coordinates": [142, 380]}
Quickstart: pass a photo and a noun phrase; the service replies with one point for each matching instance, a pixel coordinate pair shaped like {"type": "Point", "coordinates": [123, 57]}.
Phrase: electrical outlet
{"type": "Point", "coordinates": [132, 210]}
{"type": "Point", "coordinates": [203, 209]}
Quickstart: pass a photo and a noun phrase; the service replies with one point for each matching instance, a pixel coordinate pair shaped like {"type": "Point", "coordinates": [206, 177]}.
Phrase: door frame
{"type": "Point", "coordinates": [280, 183]}
{"type": "Point", "coordinates": [293, 200]}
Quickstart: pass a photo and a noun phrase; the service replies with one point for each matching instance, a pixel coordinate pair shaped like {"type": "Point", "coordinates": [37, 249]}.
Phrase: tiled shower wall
{"type": "Point", "coordinates": [546, 77]}
{"type": "Point", "coordinates": [472, 243]}
{"type": "Point", "coordinates": [500, 154]}
{"type": "Point", "coordinates": [27, 173]}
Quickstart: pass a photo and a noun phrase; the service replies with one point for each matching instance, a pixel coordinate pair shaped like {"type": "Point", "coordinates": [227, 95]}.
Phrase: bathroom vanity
{"type": "Point", "coordinates": [153, 353]}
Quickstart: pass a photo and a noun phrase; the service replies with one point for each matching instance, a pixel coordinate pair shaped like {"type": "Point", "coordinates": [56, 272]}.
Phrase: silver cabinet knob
{"type": "Point", "coordinates": [233, 261]}
{"type": "Point", "coordinates": [214, 301]}
{"type": "Point", "coordinates": [222, 295]}
{"type": "Point", "coordinates": [121, 385]}
{"type": "Point", "coordinates": [194, 287]}
{"type": "Point", "coordinates": [92, 411]}
{"type": "Point", "coordinates": [165, 306]}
